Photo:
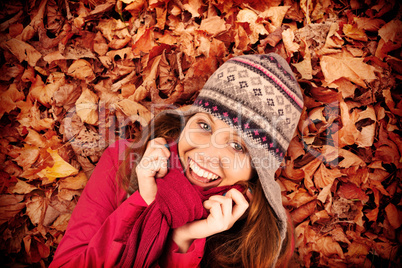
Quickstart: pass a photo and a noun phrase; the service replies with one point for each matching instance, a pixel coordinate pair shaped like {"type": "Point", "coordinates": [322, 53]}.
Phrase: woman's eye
{"type": "Point", "coordinates": [205, 126]}
{"type": "Point", "coordinates": [238, 147]}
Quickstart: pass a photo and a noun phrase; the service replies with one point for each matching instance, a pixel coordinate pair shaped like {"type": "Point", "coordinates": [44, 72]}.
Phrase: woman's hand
{"type": "Point", "coordinates": [222, 215]}
{"type": "Point", "coordinates": [153, 165]}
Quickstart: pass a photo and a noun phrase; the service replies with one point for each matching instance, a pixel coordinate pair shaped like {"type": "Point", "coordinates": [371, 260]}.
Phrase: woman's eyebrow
{"type": "Point", "coordinates": [210, 117]}
{"type": "Point", "coordinates": [212, 120]}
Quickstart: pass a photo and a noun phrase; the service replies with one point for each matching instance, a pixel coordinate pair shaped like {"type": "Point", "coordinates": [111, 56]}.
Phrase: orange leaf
{"type": "Point", "coordinates": [328, 247]}
{"type": "Point", "coordinates": [10, 205]}
{"type": "Point", "coordinates": [301, 213]}
{"type": "Point", "coordinates": [394, 216]}
{"type": "Point", "coordinates": [357, 249]}
{"type": "Point", "coordinates": [144, 43]}
{"type": "Point", "coordinates": [351, 191]}
{"type": "Point", "coordinates": [82, 70]}
{"type": "Point", "coordinates": [23, 51]}
{"type": "Point", "coordinates": [36, 208]}
{"type": "Point", "coordinates": [60, 169]}
{"type": "Point", "coordinates": [355, 33]}
{"type": "Point", "coordinates": [299, 198]}
{"type": "Point", "coordinates": [351, 68]}
{"type": "Point", "coordinates": [324, 176]}
{"type": "Point", "coordinates": [213, 25]}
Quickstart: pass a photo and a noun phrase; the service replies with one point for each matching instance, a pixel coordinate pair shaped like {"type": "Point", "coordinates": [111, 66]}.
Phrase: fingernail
{"type": "Point", "coordinates": [166, 145]}
{"type": "Point", "coordinates": [224, 194]}
{"type": "Point", "coordinates": [249, 189]}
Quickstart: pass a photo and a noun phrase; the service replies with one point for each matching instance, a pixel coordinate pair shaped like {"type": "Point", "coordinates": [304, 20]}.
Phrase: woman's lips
{"type": "Point", "coordinates": [208, 178]}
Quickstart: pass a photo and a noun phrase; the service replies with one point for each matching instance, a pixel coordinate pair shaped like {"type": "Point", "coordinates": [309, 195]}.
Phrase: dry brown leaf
{"type": "Point", "coordinates": [368, 127]}
{"type": "Point", "coordinates": [275, 16]}
{"type": "Point", "coordinates": [23, 51]}
{"type": "Point", "coordinates": [60, 169]}
{"type": "Point", "coordinates": [351, 191]}
{"type": "Point", "coordinates": [328, 247]}
{"type": "Point", "coordinates": [86, 106]}
{"type": "Point", "coordinates": [61, 222]}
{"type": "Point", "coordinates": [301, 213]}
{"type": "Point", "coordinates": [250, 17]}
{"type": "Point", "coordinates": [27, 155]}
{"type": "Point", "coordinates": [36, 208]}
{"type": "Point", "coordinates": [394, 215]}
{"type": "Point", "coordinates": [10, 205]}
{"type": "Point", "coordinates": [333, 42]}
{"type": "Point", "coordinates": [213, 25]}
{"type": "Point", "coordinates": [347, 146]}
{"type": "Point", "coordinates": [9, 98]}
{"type": "Point", "coordinates": [325, 192]}
{"type": "Point", "coordinates": [144, 42]}
{"type": "Point", "coordinates": [82, 70]}
{"type": "Point", "coordinates": [193, 6]}
{"type": "Point", "coordinates": [392, 31]}
{"type": "Point", "coordinates": [352, 31]}
{"type": "Point", "coordinates": [304, 67]}
{"type": "Point", "coordinates": [100, 45]}
{"type": "Point", "coordinates": [324, 176]}
{"type": "Point", "coordinates": [37, 21]}
{"type": "Point", "coordinates": [353, 69]}
{"type": "Point", "coordinates": [77, 182]}
{"type": "Point", "coordinates": [369, 24]}
{"type": "Point", "coordinates": [288, 40]}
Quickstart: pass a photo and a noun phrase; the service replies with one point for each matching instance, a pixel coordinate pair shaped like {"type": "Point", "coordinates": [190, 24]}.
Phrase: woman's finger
{"type": "Point", "coordinates": [226, 203]}
{"type": "Point", "coordinates": [162, 167]}
{"type": "Point", "coordinates": [241, 204]}
{"type": "Point", "coordinates": [158, 145]}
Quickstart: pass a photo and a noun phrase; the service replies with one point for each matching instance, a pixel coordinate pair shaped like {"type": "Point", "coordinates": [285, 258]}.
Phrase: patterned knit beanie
{"type": "Point", "coordinates": [259, 97]}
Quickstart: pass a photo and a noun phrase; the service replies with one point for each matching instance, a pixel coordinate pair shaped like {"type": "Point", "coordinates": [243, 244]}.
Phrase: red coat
{"type": "Point", "coordinates": [102, 220]}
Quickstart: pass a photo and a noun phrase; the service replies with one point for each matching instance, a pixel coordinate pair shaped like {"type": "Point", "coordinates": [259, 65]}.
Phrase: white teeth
{"type": "Point", "coordinates": [201, 172]}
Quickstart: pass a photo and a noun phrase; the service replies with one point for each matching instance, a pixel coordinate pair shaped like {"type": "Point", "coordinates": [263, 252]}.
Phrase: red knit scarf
{"type": "Point", "coordinates": [177, 202]}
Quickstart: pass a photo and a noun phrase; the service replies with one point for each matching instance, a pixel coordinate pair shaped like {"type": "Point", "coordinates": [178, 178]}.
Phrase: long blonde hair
{"type": "Point", "coordinates": [253, 241]}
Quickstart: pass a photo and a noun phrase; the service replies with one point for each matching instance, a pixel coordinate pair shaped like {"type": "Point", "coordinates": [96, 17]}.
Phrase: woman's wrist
{"type": "Point", "coordinates": [181, 237]}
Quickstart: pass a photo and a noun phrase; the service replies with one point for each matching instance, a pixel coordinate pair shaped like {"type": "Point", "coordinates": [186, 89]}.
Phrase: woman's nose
{"type": "Point", "coordinates": [214, 150]}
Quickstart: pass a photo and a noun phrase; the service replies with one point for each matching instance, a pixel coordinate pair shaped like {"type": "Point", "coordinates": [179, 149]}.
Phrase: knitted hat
{"type": "Point", "coordinates": [259, 97]}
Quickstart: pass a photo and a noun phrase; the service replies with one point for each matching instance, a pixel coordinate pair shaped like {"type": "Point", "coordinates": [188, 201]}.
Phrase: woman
{"type": "Point", "coordinates": [204, 177]}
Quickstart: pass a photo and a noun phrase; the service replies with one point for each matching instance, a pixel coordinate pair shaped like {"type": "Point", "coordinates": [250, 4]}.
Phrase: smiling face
{"type": "Point", "coordinates": [212, 153]}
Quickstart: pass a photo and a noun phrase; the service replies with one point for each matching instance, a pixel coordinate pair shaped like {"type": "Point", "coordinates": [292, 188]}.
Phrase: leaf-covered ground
{"type": "Point", "coordinates": [77, 75]}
